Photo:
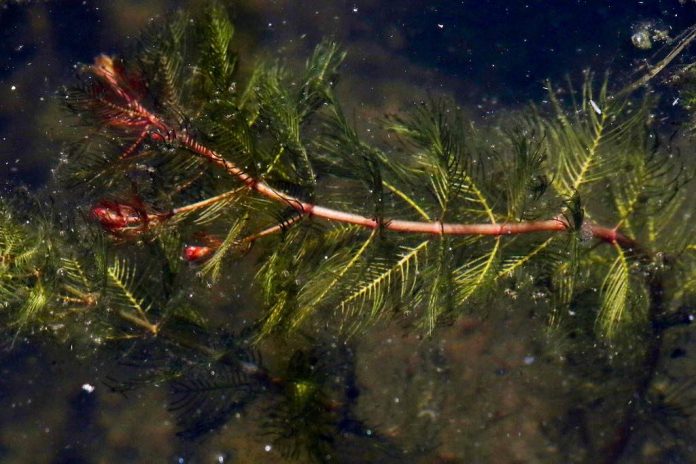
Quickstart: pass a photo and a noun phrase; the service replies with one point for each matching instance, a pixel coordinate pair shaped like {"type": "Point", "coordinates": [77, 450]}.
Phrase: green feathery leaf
{"type": "Point", "coordinates": [614, 295]}
{"type": "Point", "coordinates": [444, 155]}
{"type": "Point", "coordinates": [321, 75]}
{"type": "Point", "coordinates": [218, 60]}
{"type": "Point", "coordinates": [320, 289]}
{"type": "Point", "coordinates": [474, 275]}
{"type": "Point", "coordinates": [380, 279]}
{"type": "Point", "coordinates": [213, 266]}
{"type": "Point", "coordinates": [121, 290]}
{"type": "Point", "coordinates": [581, 147]}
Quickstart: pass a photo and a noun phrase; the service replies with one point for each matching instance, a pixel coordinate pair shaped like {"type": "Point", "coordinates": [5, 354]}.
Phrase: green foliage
{"type": "Point", "coordinates": [446, 159]}
{"type": "Point", "coordinates": [236, 170]}
{"type": "Point", "coordinates": [528, 182]}
{"type": "Point", "coordinates": [219, 60]}
{"type": "Point", "coordinates": [615, 294]}
{"type": "Point", "coordinates": [23, 288]}
{"type": "Point", "coordinates": [286, 128]}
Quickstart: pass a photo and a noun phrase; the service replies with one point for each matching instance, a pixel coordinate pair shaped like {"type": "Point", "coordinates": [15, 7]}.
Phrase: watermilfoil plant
{"type": "Point", "coordinates": [191, 169]}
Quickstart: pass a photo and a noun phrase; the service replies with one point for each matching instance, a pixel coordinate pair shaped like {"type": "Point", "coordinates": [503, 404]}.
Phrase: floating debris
{"type": "Point", "coordinates": [595, 107]}
{"type": "Point", "coordinates": [647, 33]}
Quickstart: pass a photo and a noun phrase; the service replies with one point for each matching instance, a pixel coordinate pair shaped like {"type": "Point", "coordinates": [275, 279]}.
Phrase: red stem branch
{"type": "Point", "coordinates": [606, 234]}
{"type": "Point", "coordinates": [159, 130]}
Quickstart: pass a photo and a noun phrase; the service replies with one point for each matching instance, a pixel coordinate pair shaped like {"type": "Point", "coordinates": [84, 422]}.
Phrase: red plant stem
{"type": "Point", "coordinates": [558, 224]}
{"type": "Point", "coordinates": [271, 230]}
{"type": "Point", "coordinates": [105, 69]}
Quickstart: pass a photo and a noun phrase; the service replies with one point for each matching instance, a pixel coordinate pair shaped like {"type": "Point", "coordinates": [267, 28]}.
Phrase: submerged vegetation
{"type": "Point", "coordinates": [198, 178]}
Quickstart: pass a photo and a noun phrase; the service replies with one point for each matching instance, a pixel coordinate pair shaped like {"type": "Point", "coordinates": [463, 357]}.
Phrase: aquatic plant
{"type": "Point", "coordinates": [184, 159]}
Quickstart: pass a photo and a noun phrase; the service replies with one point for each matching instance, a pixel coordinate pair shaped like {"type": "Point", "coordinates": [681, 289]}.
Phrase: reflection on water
{"type": "Point", "coordinates": [485, 389]}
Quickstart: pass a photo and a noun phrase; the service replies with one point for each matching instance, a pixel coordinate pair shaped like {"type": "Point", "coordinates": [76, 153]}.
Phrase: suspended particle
{"type": "Point", "coordinates": [89, 388]}
{"type": "Point", "coordinates": [595, 107]}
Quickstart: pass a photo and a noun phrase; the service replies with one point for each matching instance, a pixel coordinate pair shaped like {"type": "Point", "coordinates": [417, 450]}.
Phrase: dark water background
{"type": "Point", "coordinates": [489, 55]}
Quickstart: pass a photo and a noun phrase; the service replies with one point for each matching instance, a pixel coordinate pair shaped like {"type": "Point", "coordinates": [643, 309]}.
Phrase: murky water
{"type": "Point", "coordinates": [485, 389]}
